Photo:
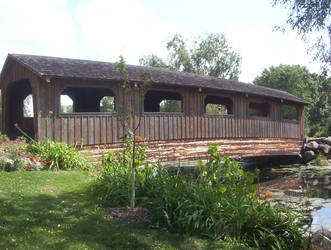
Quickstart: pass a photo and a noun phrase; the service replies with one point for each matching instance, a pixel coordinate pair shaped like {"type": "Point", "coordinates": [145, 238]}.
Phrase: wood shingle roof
{"type": "Point", "coordinates": [95, 70]}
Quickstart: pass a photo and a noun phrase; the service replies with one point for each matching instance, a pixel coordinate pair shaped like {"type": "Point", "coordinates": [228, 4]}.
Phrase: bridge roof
{"type": "Point", "coordinates": [46, 66]}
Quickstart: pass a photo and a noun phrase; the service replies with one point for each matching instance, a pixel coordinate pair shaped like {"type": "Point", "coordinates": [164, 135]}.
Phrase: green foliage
{"type": "Point", "coordinates": [61, 155]}
{"type": "Point", "coordinates": [2, 164]}
{"type": "Point", "coordinates": [64, 109]}
{"type": "Point", "coordinates": [294, 79]}
{"type": "Point", "coordinates": [134, 90]}
{"type": "Point", "coordinates": [216, 109]}
{"type": "Point", "coordinates": [4, 138]}
{"type": "Point", "coordinates": [309, 17]}
{"type": "Point", "coordinates": [211, 56]}
{"type": "Point", "coordinates": [298, 81]}
{"type": "Point", "coordinates": [321, 160]}
{"type": "Point", "coordinates": [18, 164]}
{"type": "Point", "coordinates": [220, 204]}
{"type": "Point", "coordinates": [40, 210]}
{"type": "Point", "coordinates": [107, 104]}
{"type": "Point", "coordinates": [152, 60]}
{"type": "Point", "coordinates": [320, 130]}
{"type": "Point", "coordinates": [171, 106]}
{"type": "Point", "coordinates": [66, 104]}
{"type": "Point", "coordinates": [115, 180]}
{"type": "Point", "coordinates": [13, 150]}
{"type": "Point", "coordinates": [289, 112]}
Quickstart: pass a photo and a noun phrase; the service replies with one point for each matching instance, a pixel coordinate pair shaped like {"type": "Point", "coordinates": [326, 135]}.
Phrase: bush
{"type": "Point", "coordinates": [4, 138]}
{"type": "Point", "coordinates": [115, 184]}
{"type": "Point", "coordinates": [321, 129]}
{"type": "Point", "coordinates": [220, 203]}
{"type": "Point", "coordinates": [58, 155]}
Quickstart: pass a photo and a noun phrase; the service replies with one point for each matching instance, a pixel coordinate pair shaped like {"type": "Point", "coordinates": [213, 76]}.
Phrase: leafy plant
{"type": "Point", "coordinates": [321, 160]}
{"type": "Point", "coordinates": [220, 204]}
{"type": "Point", "coordinates": [58, 154]}
{"type": "Point", "coordinates": [211, 55]}
{"type": "Point", "coordinates": [115, 180]}
{"type": "Point", "coordinates": [2, 164]}
{"type": "Point", "coordinates": [133, 90]}
{"type": "Point", "coordinates": [4, 138]}
{"type": "Point", "coordinates": [311, 17]}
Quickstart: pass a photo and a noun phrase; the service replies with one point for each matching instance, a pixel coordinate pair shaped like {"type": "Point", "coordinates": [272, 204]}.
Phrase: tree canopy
{"type": "Point", "coordinates": [211, 56]}
{"type": "Point", "coordinates": [298, 81]}
{"type": "Point", "coordinates": [309, 17]}
{"type": "Point", "coordinates": [294, 79]}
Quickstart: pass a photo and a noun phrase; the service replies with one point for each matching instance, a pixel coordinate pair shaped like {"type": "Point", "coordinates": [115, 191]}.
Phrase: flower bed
{"type": "Point", "coordinates": [14, 156]}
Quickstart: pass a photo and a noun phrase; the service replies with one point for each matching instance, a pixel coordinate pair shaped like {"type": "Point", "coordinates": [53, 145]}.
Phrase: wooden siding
{"type": "Point", "coordinates": [106, 129]}
{"type": "Point", "coordinates": [169, 136]}
{"type": "Point", "coordinates": [14, 74]}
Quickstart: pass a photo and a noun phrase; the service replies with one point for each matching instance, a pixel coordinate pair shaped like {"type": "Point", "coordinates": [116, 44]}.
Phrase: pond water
{"type": "Point", "coordinates": [300, 187]}
{"type": "Point", "coordinates": [307, 187]}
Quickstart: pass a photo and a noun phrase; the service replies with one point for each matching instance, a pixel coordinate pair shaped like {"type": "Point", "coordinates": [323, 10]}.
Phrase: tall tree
{"type": "Point", "coordinates": [107, 104]}
{"type": "Point", "coordinates": [294, 79]}
{"type": "Point", "coordinates": [298, 81]}
{"type": "Point", "coordinates": [153, 60]}
{"type": "Point", "coordinates": [309, 17]}
{"type": "Point", "coordinates": [211, 56]}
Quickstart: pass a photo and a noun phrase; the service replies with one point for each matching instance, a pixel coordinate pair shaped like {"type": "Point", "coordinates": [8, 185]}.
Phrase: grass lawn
{"type": "Point", "coordinates": [54, 210]}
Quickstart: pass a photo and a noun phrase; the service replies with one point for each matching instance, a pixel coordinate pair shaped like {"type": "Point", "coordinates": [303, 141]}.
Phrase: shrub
{"type": "Point", "coordinates": [59, 155]}
{"type": "Point", "coordinates": [4, 138]}
{"type": "Point", "coordinates": [115, 184]}
{"type": "Point", "coordinates": [321, 160]}
{"type": "Point", "coordinates": [321, 129]}
{"type": "Point", "coordinates": [220, 203]}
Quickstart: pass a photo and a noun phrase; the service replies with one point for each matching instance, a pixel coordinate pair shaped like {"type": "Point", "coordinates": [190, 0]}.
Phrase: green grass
{"type": "Point", "coordinates": [55, 210]}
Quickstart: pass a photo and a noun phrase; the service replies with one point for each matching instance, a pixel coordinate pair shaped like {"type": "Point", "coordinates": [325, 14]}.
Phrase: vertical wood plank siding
{"type": "Point", "coordinates": [103, 129]}
{"type": "Point", "coordinates": [192, 124]}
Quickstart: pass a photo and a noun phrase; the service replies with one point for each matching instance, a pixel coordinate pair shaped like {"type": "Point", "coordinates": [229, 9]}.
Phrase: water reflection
{"type": "Point", "coordinates": [301, 185]}
{"type": "Point", "coordinates": [321, 218]}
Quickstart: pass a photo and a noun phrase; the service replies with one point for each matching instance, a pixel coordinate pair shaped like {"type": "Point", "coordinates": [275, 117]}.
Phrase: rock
{"type": "Point", "coordinates": [322, 238]}
{"type": "Point", "coordinates": [327, 140]}
{"type": "Point", "coordinates": [9, 164]}
{"type": "Point", "coordinates": [313, 145]}
{"type": "Point", "coordinates": [317, 139]}
{"type": "Point", "coordinates": [309, 155]}
{"type": "Point", "coordinates": [324, 148]}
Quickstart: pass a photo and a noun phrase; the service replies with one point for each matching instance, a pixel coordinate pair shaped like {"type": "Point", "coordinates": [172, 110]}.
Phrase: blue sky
{"type": "Point", "coordinates": [105, 29]}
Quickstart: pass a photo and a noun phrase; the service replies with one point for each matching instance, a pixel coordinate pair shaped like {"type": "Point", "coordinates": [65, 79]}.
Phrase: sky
{"type": "Point", "coordinates": [105, 29]}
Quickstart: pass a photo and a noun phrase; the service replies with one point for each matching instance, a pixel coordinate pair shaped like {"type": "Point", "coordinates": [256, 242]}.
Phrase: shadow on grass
{"type": "Point", "coordinates": [72, 220]}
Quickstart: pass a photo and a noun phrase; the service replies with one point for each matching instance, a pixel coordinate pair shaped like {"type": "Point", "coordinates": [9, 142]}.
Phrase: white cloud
{"type": "Point", "coordinates": [95, 29]}
{"type": "Point", "coordinates": [112, 28]}
{"type": "Point", "coordinates": [36, 27]}
{"type": "Point", "coordinates": [105, 29]}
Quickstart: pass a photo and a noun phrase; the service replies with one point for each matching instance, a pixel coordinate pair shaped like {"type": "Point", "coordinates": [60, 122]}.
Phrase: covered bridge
{"type": "Point", "coordinates": [182, 113]}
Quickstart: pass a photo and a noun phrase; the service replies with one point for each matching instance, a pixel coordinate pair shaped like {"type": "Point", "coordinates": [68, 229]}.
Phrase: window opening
{"type": "Point", "coordinates": [163, 101]}
{"type": "Point", "coordinates": [218, 105]}
{"type": "Point", "coordinates": [85, 99]}
{"type": "Point", "coordinates": [107, 104]}
{"type": "Point", "coordinates": [28, 107]}
{"type": "Point", "coordinates": [67, 104]}
{"type": "Point", "coordinates": [289, 112]}
{"type": "Point", "coordinates": [259, 109]}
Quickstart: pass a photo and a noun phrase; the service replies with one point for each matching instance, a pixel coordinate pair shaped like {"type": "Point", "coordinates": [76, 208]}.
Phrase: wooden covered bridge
{"type": "Point", "coordinates": [182, 113]}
